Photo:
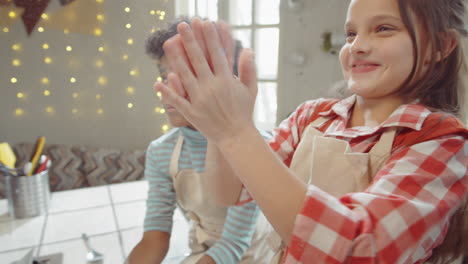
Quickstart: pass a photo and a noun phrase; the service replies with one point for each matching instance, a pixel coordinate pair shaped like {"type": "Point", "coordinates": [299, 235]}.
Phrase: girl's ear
{"type": "Point", "coordinates": [450, 42]}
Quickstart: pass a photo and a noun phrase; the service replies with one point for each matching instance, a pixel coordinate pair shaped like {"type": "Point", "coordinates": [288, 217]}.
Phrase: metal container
{"type": "Point", "coordinates": [28, 196]}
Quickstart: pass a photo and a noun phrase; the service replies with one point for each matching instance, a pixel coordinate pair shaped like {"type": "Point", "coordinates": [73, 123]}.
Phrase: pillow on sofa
{"type": "Point", "coordinates": [76, 166]}
{"type": "Point", "coordinates": [104, 166]}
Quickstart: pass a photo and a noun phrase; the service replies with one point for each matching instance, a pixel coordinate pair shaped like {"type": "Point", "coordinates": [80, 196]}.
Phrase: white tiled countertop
{"type": "Point", "coordinates": [112, 216]}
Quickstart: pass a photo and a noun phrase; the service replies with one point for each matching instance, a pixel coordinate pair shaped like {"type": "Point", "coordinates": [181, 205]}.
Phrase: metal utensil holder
{"type": "Point", "coordinates": [28, 196]}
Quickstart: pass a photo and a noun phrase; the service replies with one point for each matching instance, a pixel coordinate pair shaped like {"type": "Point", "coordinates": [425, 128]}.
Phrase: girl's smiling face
{"type": "Point", "coordinates": [378, 56]}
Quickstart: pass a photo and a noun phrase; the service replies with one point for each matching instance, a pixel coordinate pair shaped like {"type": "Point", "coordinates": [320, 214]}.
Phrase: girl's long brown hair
{"type": "Point", "coordinates": [440, 87]}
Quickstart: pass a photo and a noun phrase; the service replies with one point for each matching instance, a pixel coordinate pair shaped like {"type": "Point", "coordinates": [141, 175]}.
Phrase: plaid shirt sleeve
{"type": "Point", "coordinates": [400, 218]}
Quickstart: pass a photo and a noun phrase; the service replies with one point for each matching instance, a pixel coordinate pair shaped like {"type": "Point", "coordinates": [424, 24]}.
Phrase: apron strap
{"type": "Point", "coordinates": [318, 122]}
{"type": "Point", "coordinates": [174, 166]}
{"type": "Point", "coordinates": [381, 151]}
{"type": "Point", "coordinates": [378, 153]}
{"type": "Point", "coordinates": [385, 143]}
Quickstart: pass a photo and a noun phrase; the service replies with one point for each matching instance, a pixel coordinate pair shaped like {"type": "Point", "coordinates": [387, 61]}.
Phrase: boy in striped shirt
{"type": "Point", "coordinates": [175, 163]}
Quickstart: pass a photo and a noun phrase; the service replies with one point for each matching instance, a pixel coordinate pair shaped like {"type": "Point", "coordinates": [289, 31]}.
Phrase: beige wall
{"type": "Point", "coordinates": [117, 126]}
{"type": "Point", "coordinates": [301, 32]}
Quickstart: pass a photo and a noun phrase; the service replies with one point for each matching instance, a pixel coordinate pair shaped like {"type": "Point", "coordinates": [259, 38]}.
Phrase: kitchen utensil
{"type": "Point", "coordinates": [7, 155]}
{"type": "Point", "coordinates": [28, 196]}
{"type": "Point", "coordinates": [7, 171]}
{"type": "Point", "coordinates": [39, 146]}
{"type": "Point", "coordinates": [92, 256]}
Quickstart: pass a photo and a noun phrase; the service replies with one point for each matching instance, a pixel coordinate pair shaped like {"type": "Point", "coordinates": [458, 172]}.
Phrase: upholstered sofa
{"type": "Point", "coordinates": [78, 166]}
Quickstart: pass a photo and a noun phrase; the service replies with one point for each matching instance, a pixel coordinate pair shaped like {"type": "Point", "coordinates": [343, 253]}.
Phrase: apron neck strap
{"type": "Point", "coordinates": [319, 121]}
{"type": "Point", "coordinates": [381, 151]}
{"type": "Point", "coordinates": [174, 166]}
{"type": "Point", "coordinates": [383, 147]}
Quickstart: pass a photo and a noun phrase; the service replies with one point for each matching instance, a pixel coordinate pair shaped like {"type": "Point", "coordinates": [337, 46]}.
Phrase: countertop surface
{"type": "Point", "coordinates": [112, 216]}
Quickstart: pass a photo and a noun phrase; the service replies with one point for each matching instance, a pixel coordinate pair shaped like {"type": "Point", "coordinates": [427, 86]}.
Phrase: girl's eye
{"type": "Point", "coordinates": [384, 28]}
{"type": "Point", "coordinates": [350, 34]}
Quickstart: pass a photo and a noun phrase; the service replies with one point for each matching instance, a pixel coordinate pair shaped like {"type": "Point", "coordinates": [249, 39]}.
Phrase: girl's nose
{"type": "Point", "coordinates": [360, 45]}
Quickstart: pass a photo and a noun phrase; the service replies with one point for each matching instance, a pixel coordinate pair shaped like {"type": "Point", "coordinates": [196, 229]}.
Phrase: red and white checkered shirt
{"type": "Point", "coordinates": [405, 211]}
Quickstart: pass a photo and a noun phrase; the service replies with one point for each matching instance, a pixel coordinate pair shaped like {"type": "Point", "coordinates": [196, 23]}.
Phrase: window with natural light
{"type": "Point", "coordinates": [256, 24]}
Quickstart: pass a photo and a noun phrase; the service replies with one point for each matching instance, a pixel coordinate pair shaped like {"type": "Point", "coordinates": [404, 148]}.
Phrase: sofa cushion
{"type": "Point", "coordinates": [77, 166]}
{"type": "Point", "coordinates": [104, 166]}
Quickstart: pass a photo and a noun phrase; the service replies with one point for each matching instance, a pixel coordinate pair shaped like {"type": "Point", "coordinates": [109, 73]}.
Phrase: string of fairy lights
{"type": "Point", "coordinates": [99, 63]}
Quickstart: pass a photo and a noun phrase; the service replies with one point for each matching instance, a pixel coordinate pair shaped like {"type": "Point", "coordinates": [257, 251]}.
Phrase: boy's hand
{"type": "Point", "coordinates": [206, 259]}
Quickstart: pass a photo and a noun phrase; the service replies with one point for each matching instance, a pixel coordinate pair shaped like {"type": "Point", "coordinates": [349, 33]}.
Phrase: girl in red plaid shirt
{"type": "Point", "coordinates": [379, 177]}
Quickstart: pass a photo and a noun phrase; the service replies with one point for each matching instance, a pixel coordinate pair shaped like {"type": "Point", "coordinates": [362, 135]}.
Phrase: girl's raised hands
{"type": "Point", "coordinates": [217, 103]}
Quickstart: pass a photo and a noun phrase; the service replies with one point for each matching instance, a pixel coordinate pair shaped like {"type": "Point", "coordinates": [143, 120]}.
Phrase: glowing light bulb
{"type": "Point", "coordinates": [19, 112]}
{"type": "Point", "coordinates": [159, 94]}
{"type": "Point", "coordinates": [130, 90]}
{"type": "Point", "coordinates": [158, 12]}
{"type": "Point", "coordinates": [75, 95]}
{"type": "Point", "coordinates": [100, 1]}
{"type": "Point", "coordinates": [125, 57]}
{"type": "Point", "coordinates": [46, 92]}
{"type": "Point", "coordinates": [47, 60]}
{"type": "Point", "coordinates": [130, 105]}
{"type": "Point", "coordinates": [99, 63]}
{"type": "Point", "coordinates": [98, 96]}
{"type": "Point", "coordinates": [152, 12]}
{"type": "Point", "coordinates": [127, 9]}
{"type": "Point", "coordinates": [157, 109]}
{"type": "Point", "coordinates": [12, 14]}
{"type": "Point", "coordinates": [45, 46]}
{"type": "Point", "coordinates": [97, 32]}
{"type": "Point", "coordinates": [130, 41]}
{"type": "Point", "coordinates": [6, 30]}
{"type": "Point", "coordinates": [20, 95]}
{"type": "Point", "coordinates": [133, 72]}
{"type": "Point", "coordinates": [16, 47]}
{"type": "Point", "coordinates": [128, 26]}
{"type": "Point", "coordinates": [161, 17]}
{"type": "Point", "coordinates": [50, 109]}
{"type": "Point", "coordinates": [68, 48]}
{"type": "Point", "coordinates": [45, 80]}
{"type": "Point", "coordinates": [74, 111]}
{"type": "Point", "coordinates": [159, 79]}
{"type": "Point", "coordinates": [100, 111]}
{"type": "Point", "coordinates": [16, 62]}
{"type": "Point", "coordinates": [102, 80]}
{"type": "Point", "coordinates": [40, 29]}
{"type": "Point", "coordinates": [100, 17]}
{"type": "Point", "coordinates": [72, 80]}
{"type": "Point", "coordinates": [66, 31]}
{"type": "Point", "coordinates": [162, 111]}
{"type": "Point", "coordinates": [101, 49]}
{"type": "Point", "coordinates": [165, 128]}
{"type": "Point", "coordinates": [13, 80]}
{"type": "Point", "coordinates": [163, 13]}
{"type": "Point", "coordinates": [45, 16]}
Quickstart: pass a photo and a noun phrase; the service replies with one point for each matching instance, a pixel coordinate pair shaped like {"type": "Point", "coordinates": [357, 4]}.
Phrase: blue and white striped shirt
{"type": "Point", "coordinates": [240, 221]}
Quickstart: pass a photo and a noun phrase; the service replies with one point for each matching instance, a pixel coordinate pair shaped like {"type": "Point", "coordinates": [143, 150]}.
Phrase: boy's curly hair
{"type": "Point", "coordinates": [154, 43]}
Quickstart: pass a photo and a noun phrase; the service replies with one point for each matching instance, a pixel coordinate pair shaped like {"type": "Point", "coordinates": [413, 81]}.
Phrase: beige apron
{"type": "Point", "coordinates": [330, 164]}
{"type": "Point", "coordinates": [207, 218]}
